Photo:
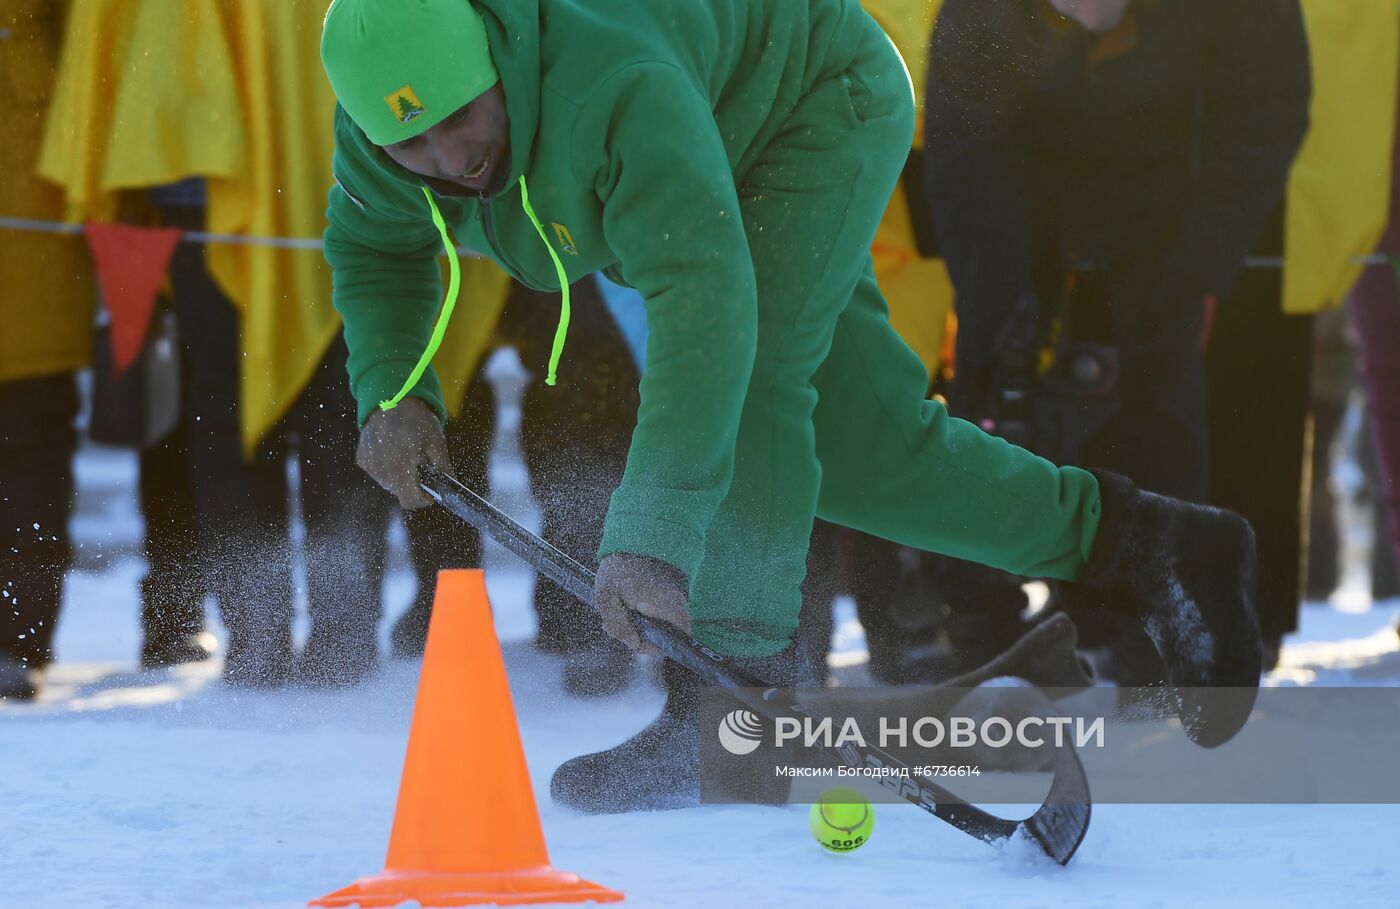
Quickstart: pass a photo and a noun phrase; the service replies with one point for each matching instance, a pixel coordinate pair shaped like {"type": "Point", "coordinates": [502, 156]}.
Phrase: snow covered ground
{"type": "Point", "coordinates": [123, 788]}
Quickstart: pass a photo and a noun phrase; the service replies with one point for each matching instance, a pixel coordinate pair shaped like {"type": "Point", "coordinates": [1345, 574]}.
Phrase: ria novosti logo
{"type": "Point", "coordinates": [740, 732]}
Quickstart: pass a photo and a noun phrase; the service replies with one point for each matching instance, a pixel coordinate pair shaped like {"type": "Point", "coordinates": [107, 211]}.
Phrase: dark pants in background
{"type": "Point", "coordinates": [574, 437]}
{"type": "Point", "coordinates": [1333, 378]}
{"type": "Point", "coordinates": [37, 441]}
{"type": "Point", "coordinates": [1259, 367]}
{"type": "Point", "coordinates": [173, 590]}
{"type": "Point", "coordinates": [1376, 308]}
{"type": "Point", "coordinates": [243, 511]}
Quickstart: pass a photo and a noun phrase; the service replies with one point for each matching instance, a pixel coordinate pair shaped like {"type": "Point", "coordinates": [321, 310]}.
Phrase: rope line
{"type": "Point", "coordinates": [190, 236]}
{"type": "Point", "coordinates": [198, 236]}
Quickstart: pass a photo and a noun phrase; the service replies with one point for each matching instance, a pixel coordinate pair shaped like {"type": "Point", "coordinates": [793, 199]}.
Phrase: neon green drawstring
{"type": "Point", "coordinates": [454, 283]}
{"type": "Point", "coordinates": [562, 331]}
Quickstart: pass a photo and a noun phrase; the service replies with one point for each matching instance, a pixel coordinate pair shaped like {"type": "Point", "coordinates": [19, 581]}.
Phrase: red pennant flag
{"type": "Point", "coordinates": [131, 263]}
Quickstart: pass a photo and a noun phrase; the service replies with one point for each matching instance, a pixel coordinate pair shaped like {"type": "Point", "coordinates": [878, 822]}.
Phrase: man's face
{"type": "Point", "coordinates": [1095, 15]}
{"type": "Point", "coordinates": [470, 148]}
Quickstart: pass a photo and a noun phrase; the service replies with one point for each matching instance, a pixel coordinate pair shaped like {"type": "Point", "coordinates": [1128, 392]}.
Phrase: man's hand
{"type": "Point", "coordinates": [395, 443]}
{"type": "Point", "coordinates": [628, 583]}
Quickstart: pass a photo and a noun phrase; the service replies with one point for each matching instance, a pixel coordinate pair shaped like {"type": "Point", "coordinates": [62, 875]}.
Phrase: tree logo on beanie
{"type": "Point", "coordinates": [566, 239]}
{"type": "Point", "coordinates": [405, 104]}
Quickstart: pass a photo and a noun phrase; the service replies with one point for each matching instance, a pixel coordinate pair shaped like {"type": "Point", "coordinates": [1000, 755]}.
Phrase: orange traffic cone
{"type": "Point", "coordinates": [466, 831]}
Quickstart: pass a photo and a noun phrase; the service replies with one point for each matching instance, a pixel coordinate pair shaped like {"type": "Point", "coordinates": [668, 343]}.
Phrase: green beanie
{"type": "Point", "coordinates": [399, 67]}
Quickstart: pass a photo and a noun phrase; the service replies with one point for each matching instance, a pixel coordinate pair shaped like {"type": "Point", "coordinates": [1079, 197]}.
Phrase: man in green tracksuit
{"type": "Point", "coordinates": [730, 160]}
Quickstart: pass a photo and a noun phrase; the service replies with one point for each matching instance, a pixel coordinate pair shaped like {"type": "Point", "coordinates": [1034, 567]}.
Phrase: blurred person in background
{"type": "Point", "coordinates": [1334, 378]}
{"type": "Point", "coordinates": [1385, 578]}
{"type": "Point", "coordinates": [244, 503]}
{"type": "Point", "coordinates": [575, 449]}
{"type": "Point", "coordinates": [1344, 457]}
{"type": "Point", "coordinates": [1375, 305]}
{"type": "Point", "coordinates": [1097, 171]}
{"type": "Point", "coordinates": [139, 405]}
{"type": "Point", "coordinates": [1260, 372]}
{"type": "Point", "coordinates": [1260, 364]}
{"type": "Point", "coordinates": [177, 577]}
{"type": "Point", "coordinates": [46, 306]}
{"type": "Point", "coordinates": [265, 367]}
{"type": "Point", "coordinates": [175, 586]}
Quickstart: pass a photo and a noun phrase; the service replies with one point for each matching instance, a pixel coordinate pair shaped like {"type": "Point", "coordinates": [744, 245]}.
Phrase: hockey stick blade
{"type": "Point", "coordinates": [1058, 826]}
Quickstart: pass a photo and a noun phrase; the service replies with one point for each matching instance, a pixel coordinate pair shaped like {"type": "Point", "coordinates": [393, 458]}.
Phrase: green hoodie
{"type": "Point", "coordinates": [632, 122]}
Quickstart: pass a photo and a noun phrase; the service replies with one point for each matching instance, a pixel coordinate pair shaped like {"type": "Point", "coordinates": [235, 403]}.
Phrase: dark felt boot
{"type": "Point", "coordinates": [659, 768]}
{"type": "Point", "coordinates": [655, 770]}
{"type": "Point", "coordinates": [1187, 573]}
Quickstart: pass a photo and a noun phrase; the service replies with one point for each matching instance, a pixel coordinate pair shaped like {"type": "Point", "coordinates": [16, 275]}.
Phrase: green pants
{"type": "Point", "coordinates": [835, 422]}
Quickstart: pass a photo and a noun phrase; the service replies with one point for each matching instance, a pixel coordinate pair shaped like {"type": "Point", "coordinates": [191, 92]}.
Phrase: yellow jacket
{"type": "Point", "coordinates": [46, 289]}
{"type": "Point", "coordinates": [1339, 188]}
{"type": "Point", "coordinates": [152, 91]}
{"type": "Point", "coordinates": [918, 290]}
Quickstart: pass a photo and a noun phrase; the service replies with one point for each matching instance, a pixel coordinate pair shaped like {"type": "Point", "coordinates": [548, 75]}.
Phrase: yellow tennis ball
{"type": "Point", "coordinates": [843, 820]}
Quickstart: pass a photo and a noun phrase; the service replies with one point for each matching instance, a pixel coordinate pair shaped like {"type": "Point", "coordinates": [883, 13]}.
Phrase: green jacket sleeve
{"type": "Point", "coordinates": [671, 213]}
{"type": "Point", "coordinates": [386, 283]}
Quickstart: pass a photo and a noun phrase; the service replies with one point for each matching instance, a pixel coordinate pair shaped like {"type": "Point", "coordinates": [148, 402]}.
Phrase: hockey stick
{"type": "Point", "coordinates": [1058, 826]}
